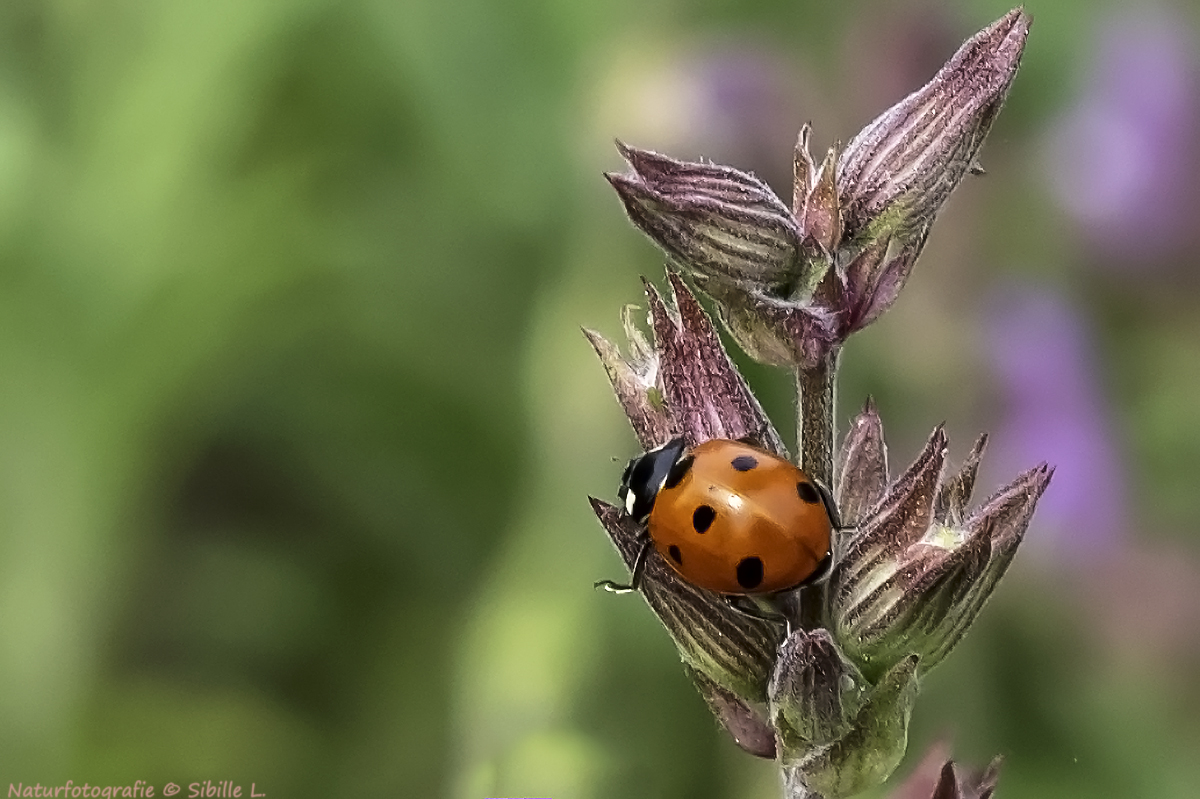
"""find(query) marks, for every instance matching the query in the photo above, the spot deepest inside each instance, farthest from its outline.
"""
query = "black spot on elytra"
(744, 463)
(808, 492)
(702, 518)
(750, 572)
(673, 551)
(678, 471)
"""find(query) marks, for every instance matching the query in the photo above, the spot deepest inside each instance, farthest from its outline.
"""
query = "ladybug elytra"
(729, 517)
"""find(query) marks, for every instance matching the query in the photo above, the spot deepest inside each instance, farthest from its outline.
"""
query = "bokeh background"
(297, 425)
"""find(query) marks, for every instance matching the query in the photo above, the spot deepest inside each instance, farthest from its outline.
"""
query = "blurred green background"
(297, 426)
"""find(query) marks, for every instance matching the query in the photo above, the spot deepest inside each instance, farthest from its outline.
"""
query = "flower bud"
(869, 753)
(917, 573)
(635, 381)
(897, 172)
(745, 721)
(774, 331)
(980, 785)
(815, 197)
(864, 474)
(815, 693)
(711, 220)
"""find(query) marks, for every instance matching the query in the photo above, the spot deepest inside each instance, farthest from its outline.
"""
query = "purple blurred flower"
(1044, 361)
(749, 107)
(1123, 161)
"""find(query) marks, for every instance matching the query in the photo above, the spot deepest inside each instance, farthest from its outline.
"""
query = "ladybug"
(730, 517)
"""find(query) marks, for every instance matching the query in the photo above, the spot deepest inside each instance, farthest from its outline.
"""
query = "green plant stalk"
(816, 397)
(816, 406)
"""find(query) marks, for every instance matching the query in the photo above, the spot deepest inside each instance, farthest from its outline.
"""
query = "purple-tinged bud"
(895, 522)
(791, 286)
(1002, 520)
(743, 720)
(869, 753)
(919, 568)
(897, 172)
(951, 506)
(774, 331)
(635, 381)
(874, 278)
(952, 785)
(685, 384)
(815, 693)
(864, 474)
(711, 220)
(706, 395)
(815, 198)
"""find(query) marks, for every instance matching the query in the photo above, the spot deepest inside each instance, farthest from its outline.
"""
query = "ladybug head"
(645, 475)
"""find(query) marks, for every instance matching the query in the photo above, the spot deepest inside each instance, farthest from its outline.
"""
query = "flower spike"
(829, 692)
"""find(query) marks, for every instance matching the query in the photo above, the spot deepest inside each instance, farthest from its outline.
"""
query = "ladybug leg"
(835, 521)
(639, 569)
(748, 607)
(824, 568)
(835, 518)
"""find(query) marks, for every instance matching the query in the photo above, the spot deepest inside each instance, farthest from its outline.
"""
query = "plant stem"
(816, 395)
(794, 787)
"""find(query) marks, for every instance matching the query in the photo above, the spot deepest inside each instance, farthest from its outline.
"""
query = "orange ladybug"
(729, 517)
